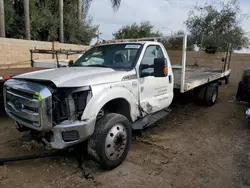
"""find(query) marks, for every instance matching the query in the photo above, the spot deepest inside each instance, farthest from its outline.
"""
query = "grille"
(23, 107)
(28, 103)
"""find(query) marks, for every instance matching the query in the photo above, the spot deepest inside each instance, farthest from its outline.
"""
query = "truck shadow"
(2, 111)
(78, 155)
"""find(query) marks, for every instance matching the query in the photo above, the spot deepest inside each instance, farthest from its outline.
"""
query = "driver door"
(156, 93)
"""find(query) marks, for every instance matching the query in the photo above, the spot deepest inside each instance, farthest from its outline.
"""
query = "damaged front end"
(55, 113)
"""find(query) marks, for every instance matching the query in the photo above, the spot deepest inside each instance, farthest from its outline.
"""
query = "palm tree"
(2, 19)
(79, 11)
(61, 31)
(26, 19)
(115, 4)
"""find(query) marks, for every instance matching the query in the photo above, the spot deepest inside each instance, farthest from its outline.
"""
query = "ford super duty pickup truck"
(109, 91)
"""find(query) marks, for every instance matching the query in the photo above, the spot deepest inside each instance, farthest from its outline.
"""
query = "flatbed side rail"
(183, 66)
(225, 71)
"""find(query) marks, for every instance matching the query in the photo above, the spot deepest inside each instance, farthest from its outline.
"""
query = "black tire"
(97, 142)
(239, 94)
(211, 94)
(227, 80)
(200, 95)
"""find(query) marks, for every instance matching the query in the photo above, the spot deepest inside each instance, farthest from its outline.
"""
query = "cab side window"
(152, 52)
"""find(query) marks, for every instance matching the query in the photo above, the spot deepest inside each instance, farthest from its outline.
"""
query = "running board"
(150, 119)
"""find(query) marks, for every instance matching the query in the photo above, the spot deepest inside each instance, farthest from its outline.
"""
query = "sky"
(165, 15)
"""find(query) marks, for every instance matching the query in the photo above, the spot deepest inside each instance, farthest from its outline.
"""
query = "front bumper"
(84, 130)
(31, 105)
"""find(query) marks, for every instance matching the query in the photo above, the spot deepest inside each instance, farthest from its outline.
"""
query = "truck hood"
(76, 76)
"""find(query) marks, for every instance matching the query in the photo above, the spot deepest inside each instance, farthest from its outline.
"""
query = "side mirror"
(160, 67)
(71, 62)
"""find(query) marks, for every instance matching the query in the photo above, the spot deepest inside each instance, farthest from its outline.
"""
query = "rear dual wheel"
(207, 94)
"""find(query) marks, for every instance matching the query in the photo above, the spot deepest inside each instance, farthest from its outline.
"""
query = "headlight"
(69, 103)
(81, 99)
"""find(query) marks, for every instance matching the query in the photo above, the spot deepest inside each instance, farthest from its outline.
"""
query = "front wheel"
(111, 140)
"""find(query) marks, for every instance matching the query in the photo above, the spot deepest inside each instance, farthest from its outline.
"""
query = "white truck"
(109, 91)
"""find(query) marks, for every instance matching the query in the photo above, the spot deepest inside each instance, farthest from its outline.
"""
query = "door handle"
(170, 79)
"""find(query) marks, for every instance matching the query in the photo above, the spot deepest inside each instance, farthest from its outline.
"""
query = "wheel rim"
(214, 96)
(115, 142)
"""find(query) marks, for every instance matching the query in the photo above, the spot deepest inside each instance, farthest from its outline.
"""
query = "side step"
(150, 119)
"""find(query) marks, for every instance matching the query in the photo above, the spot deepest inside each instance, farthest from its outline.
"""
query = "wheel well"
(119, 106)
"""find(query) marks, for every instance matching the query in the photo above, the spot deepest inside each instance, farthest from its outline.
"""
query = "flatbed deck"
(197, 76)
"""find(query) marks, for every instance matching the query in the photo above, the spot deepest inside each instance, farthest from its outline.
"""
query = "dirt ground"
(194, 146)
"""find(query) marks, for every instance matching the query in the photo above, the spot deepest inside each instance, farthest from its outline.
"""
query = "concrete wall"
(16, 52)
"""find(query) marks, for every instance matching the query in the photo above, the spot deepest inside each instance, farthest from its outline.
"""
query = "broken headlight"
(69, 103)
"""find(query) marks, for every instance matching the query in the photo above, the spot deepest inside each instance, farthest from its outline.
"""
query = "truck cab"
(109, 91)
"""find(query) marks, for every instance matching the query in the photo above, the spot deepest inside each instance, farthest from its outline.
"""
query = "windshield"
(117, 56)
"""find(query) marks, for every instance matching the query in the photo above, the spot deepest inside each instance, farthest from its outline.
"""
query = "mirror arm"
(143, 66)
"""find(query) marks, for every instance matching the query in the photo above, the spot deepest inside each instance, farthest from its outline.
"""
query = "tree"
(176, 43)
(26, 19)
(79, 11)
(114, 3)
(44, 21)
(216, 26)
(61, 20)
(2, 19)
(144, 29)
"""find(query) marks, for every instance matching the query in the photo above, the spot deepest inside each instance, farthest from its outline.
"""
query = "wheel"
(200, 95)
(239, 94)
(227, 80)
(211, 94)
(111, 140)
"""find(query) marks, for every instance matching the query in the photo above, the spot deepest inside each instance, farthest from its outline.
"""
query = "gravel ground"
(194, 146)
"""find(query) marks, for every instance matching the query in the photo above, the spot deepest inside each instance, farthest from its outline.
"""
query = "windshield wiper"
(96, 65)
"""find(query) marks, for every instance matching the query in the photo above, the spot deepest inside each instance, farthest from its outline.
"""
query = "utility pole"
(2, 19)
(169, 29)
(98, 35)
(61, 21)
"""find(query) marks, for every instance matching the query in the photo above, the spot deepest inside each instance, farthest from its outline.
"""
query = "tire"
(239, 94)
(211, 94)
(227, 80)
(111, 140)
(200, 95)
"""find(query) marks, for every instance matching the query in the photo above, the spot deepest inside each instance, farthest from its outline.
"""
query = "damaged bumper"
(69, 133)
(57, 116)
